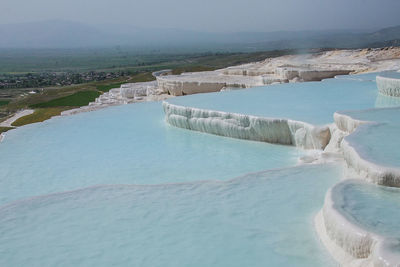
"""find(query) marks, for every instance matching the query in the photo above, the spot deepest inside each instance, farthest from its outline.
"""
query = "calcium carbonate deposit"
(130, 185)
(389, 84)
(367, 139)
(284, 69)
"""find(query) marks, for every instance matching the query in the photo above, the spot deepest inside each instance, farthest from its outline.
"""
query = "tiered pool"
(128, 144)
(311, 102)
(372, 215)
(374, 208)
(389, 83)
(377, 141)
(121, 187)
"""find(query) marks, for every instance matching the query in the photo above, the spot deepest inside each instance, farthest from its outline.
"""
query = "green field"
(77, 99)
(39, 115)
(140, 77)
(4, 102)
(136, 68)
(115, 59)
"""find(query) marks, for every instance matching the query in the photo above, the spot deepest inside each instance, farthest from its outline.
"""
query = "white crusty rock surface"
(388, 86)
(291, 68)
(350, 244)
(372, 172)
(127, 93)
(205, 82)
(271, 130)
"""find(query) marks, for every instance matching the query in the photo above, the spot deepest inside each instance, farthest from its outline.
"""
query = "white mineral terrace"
(293, 68)
(209, 81)
(372, 172)
(127, 93)
(271, 130)
(389, 85)
(348, 242)
(284, 69)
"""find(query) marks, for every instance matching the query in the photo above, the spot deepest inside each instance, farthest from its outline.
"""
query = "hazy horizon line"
(329, 29)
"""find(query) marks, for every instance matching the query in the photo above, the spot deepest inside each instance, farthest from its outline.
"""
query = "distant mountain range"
(66, 34)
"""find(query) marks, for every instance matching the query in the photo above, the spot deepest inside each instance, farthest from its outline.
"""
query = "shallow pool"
(128, 144)
(371, 207)
(121, 187)
(393, 74)
(312, 102)
(378, 142)
(263, 219)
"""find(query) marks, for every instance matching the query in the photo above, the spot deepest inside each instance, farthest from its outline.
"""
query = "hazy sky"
(211, 15)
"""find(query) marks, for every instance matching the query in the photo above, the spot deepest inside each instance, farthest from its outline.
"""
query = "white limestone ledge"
(283, 69)
(374, 173)
(271, 130)
(205, 82)
(350, 244)
(307, 75)
(388, 86)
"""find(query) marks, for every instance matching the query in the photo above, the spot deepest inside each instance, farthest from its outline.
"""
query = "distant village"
(37, 80)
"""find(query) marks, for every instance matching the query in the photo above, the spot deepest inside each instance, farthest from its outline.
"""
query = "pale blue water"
(373, 208)
(371, 76)
(128, 144)
(138, 199)
(264, 219)
(312, 102)
(395, 75)
(378, 143)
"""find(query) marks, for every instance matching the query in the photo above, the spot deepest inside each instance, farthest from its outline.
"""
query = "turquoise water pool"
(371, 207)
(120, 187)
(371, 76)
(128, 144)
(312, 102)
(395, 75)
(263, 219)
(378, 143)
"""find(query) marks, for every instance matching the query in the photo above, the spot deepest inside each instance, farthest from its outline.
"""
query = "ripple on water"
(263, 219)
(128, 144)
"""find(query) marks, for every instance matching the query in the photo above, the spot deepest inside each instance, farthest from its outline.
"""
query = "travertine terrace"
(285, 69)
(292, 68)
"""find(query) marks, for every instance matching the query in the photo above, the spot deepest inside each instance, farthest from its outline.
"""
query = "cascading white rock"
(388, 86)
(271, 130)
(355, 241)
(372, 172)
(135, 90)
(350, 244)
(205, 82)
(306, 74)
(346, 123)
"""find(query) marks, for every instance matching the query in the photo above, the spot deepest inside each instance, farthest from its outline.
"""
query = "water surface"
(312, 102)
(373, 208)
(128, 144)
(263, 219)
(378, 142)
